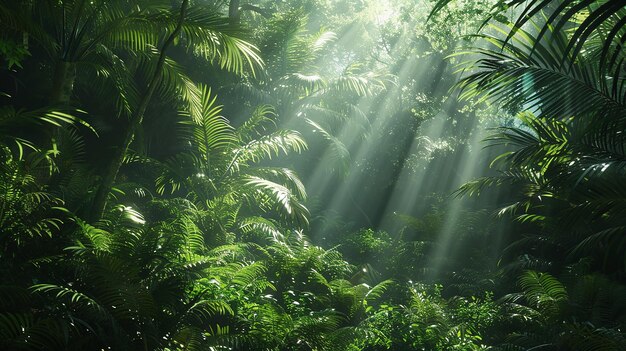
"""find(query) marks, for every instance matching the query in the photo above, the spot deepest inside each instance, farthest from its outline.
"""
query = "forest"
(313, 175)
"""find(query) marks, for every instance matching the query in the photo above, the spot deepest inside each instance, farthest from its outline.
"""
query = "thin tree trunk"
(435, 81)
(111, 172)
(233, 10)
(63, 82)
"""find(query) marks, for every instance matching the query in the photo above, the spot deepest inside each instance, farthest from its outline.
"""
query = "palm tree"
(298, 81)
(221, 170)
(564, 158)
(81, 34)
(208, 35)
(104, 39)
(593, 17)
(568, 153)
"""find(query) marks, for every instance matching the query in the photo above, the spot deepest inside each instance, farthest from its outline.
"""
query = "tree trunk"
(435, 79)
(233, 10)
(63, 82)
(111, 172)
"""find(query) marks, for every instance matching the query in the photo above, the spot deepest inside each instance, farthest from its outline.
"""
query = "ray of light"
(410, 186)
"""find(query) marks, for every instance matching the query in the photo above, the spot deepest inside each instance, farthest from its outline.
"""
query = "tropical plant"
(208, 35)
(548, 315)
(297, 80)
(220, 168)
(563, 158)
(111, 42)
(29, 214)
(427, 321)
(132, 285)
(134, 215)
(321, 304)
(596, 21)
(90, 33)
(566, 155)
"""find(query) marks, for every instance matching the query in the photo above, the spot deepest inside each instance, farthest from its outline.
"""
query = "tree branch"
(263, 12)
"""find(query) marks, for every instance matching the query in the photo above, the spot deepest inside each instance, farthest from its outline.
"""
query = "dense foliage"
(308, 175)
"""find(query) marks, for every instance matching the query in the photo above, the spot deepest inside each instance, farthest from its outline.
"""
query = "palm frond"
(215, 37)
(284, 176)
(258, 124)
(211, 131)
(12, 119)
(269, 145)
(73, 297)
(517, 78)
(259, 225)
(543, 291)
(360, 84)
(272, 195)
(592, 17)
(173, 83)
(339, 152)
